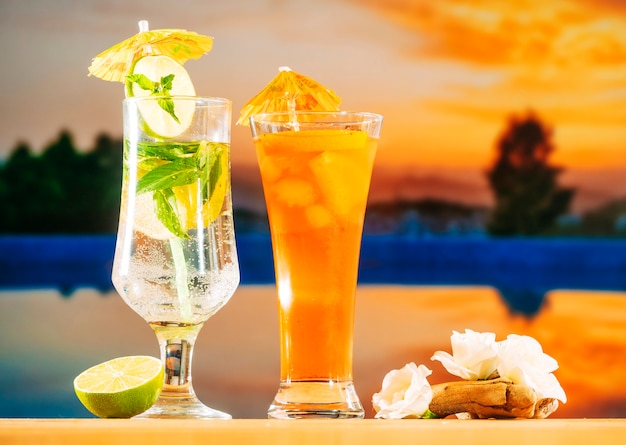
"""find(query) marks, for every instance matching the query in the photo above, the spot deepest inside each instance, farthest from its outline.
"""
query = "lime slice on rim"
(159, 121)
(123, 387)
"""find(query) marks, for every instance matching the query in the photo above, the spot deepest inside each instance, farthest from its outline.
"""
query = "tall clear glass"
(316, 169)
(175, 258)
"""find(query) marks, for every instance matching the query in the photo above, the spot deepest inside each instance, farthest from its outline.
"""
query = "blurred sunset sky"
(446, 74)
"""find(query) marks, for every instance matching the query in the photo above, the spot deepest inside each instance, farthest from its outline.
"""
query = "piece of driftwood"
(483, 399)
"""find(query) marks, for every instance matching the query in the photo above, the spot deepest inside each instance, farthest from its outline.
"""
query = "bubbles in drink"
(158, 289)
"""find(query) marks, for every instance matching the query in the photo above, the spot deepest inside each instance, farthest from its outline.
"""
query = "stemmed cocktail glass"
(175, 259)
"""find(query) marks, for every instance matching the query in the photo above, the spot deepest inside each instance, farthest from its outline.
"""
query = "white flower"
(522, 360)
(405, 393)
(473, 355)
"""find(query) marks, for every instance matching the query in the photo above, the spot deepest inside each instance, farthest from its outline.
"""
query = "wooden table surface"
(259, 431)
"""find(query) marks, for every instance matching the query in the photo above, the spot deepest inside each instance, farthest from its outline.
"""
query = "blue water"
(522, 269)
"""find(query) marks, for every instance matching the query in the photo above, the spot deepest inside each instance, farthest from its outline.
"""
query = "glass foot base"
(179, 408)
(316, 399)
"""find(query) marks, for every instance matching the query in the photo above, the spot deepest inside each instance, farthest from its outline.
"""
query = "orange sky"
(445, 74)
(564, 59)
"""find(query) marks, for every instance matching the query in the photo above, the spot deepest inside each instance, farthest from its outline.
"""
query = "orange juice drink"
(316, 179)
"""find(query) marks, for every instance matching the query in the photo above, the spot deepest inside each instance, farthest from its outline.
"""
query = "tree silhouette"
(528, 200)
(18, 178)
(62, 190)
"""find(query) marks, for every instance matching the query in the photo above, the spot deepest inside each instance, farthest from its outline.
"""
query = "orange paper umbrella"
(290, 91)
(179, 44)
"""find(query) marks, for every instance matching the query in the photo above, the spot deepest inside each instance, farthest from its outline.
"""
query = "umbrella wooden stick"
(291, 105)
(144, 26)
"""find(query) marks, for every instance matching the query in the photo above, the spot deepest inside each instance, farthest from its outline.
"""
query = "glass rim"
(273, 116)
(202, 99)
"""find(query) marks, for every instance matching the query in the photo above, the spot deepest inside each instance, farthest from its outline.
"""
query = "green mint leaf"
(210, 165)
(150, 150)
(166, 83)
(166, 210)
(191, 148)
(161, 88)
(182, 171)
(168, 106)
(166, 152)
(148, 164)
(202, 160)
(214, 174)
(143, 82)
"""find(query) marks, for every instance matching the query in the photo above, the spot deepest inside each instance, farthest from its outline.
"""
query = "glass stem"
(176, 344)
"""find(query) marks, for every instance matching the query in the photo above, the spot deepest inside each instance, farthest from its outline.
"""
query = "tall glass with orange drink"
(316, 169)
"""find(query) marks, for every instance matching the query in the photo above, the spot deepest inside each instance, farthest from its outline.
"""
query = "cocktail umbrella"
(290, 91)
(179, 44)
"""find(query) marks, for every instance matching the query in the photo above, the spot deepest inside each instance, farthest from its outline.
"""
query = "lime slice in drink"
(154, 70)
(190, 213)
(212, 209)
(123, 387)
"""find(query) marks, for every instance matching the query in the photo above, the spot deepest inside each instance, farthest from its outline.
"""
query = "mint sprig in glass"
(171, 165)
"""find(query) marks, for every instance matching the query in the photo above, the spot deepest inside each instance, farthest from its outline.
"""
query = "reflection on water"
(47, 340)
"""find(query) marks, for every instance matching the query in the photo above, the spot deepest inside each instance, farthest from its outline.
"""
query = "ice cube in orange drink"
(333, 170)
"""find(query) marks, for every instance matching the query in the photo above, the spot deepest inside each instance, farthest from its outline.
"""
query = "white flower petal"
(405, 393)
(473, 355)
(453, 367)
(522, 360)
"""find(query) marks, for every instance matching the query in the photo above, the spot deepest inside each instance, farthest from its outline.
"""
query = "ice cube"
(294, 192)
(318, 216)
(343, 179)
(272, 168)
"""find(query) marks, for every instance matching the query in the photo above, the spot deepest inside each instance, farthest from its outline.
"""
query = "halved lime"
(122, 387)
(159, 121)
